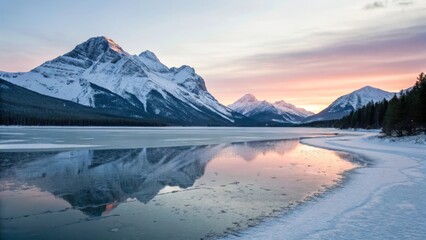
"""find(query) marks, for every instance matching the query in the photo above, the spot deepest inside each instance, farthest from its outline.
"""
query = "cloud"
(396, 45)
(375, 5)
(384, 4)
(390, 60)
(403, 3)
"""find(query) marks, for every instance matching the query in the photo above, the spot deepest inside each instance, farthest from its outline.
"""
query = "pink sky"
(307, 53)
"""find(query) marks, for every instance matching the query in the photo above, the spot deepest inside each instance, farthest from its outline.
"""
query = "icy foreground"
(384, 201)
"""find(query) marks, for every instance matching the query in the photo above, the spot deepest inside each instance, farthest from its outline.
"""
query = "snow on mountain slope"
(349, 102)
(290, 108)
(152, 62)
(245, 104)
(178, 94)
(263, 111)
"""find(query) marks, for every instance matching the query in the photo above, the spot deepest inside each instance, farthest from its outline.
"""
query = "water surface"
(65, 138)
(187, 192)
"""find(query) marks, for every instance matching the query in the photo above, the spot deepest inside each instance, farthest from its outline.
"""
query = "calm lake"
(183, 192)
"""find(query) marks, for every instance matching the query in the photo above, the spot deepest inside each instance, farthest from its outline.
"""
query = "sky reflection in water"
(159, 193)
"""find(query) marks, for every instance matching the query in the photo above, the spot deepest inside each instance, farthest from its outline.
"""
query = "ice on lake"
(181, 192)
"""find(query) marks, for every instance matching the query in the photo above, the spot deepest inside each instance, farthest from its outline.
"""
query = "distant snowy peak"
(288, 107)
(247, 98)
(245, 104)
(263, 111)
(345, 104)
(359, 98)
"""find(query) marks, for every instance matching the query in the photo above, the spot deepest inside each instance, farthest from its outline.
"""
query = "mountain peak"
(288, 107)
(150, 55)
(367, 92)
(282, 102)
(368, 89)
(345, 104)
(103, 42)
(94, 47)
(248, 98)
(264, 111)
(151, 61)
(184, 68)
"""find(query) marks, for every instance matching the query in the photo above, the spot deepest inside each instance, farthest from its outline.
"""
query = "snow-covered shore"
(383, 201)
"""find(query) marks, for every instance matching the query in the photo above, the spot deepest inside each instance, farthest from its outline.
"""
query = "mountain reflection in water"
(96, 182)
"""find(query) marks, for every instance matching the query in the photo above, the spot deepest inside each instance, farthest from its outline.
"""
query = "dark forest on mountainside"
(404, 114)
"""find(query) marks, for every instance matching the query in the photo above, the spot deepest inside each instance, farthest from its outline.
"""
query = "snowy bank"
(416, 139)
(383, 201)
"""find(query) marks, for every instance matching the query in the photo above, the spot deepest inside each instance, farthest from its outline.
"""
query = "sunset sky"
(306, 52)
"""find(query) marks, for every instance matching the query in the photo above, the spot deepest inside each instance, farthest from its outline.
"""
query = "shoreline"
(339, 213)
(295, 206)
(346, 177)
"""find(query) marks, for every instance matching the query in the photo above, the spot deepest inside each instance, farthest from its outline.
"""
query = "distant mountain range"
(100, 83)
(265, 112)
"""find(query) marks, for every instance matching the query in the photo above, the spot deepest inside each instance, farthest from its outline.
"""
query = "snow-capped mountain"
(345, 104)
(265, 112)
(100, 74)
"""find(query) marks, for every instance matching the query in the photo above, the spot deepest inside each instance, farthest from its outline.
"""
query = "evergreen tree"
(419, 101)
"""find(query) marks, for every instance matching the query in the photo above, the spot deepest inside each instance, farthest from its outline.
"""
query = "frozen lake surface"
(42, 138)
(168, 183)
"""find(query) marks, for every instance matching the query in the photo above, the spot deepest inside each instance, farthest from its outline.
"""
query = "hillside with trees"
(32, 108)
(404, 114)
